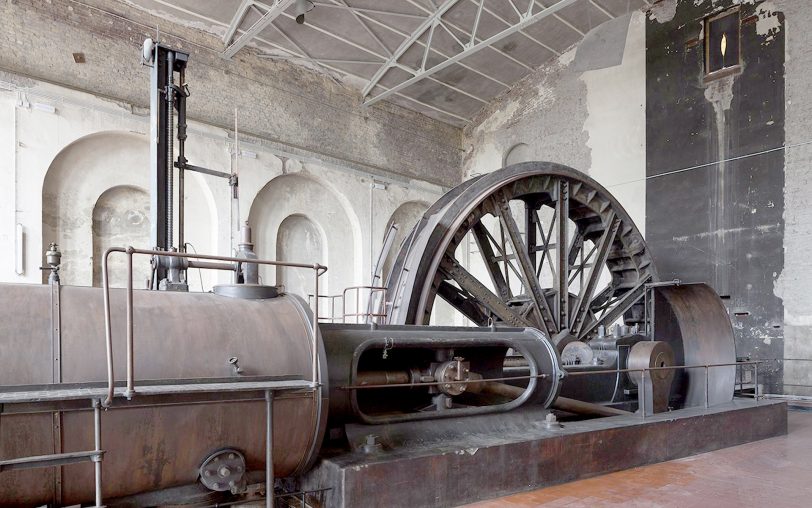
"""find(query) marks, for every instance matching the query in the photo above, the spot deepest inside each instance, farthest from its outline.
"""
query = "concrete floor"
(775, 472)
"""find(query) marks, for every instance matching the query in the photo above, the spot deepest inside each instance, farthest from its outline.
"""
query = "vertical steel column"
(755, 379)
(707, 387)
(181, 105)
(269, 479)
(315, 377)
(169, 104)
(130, 346)
(530, 232)
(157, 152)
(165, 62)
(643, 393)
(97, 458)
(562, 212)
(56, 355)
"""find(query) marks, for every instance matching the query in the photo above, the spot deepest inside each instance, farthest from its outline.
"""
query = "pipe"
(269, 477)
(130, 353)
(107, 327)
(182, 160)
(383, 377)
(561, 403)
(586, 408)
(97, 465)
(211, 266)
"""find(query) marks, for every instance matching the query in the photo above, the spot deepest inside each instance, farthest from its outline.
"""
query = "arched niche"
(304, 196)
(403, 218)
(120, 217)
(520, 152)
(298, 240)
(77, 179)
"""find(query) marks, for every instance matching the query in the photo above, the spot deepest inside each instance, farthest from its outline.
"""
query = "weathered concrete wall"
(794, 280)
(592, 119)
(293, 108)
(715, 167)
(586, 119)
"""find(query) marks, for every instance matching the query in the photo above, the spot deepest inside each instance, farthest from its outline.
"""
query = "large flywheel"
(535, 244)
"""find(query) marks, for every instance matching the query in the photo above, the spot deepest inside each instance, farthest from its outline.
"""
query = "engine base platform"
(456, 461)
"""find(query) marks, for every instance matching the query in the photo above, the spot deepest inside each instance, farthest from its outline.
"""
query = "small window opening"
(722, 44)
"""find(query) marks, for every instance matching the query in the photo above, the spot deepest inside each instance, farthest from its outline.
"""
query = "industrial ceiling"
(443, 58)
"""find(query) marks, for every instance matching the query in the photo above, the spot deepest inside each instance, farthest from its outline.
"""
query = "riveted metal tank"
(176, 336)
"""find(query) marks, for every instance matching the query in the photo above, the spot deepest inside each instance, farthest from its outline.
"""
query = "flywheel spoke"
(541, 310)
(562, 207)
(480, 293)
(585, 296)
(483, 242)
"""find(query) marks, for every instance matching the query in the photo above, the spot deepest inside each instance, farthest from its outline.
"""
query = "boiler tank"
(148, 447)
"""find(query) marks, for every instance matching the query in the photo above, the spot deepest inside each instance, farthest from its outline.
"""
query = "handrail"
(130, 251)
(370, 314)
(332, 298)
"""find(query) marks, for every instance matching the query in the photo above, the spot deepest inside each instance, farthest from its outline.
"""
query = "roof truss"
(525, 18)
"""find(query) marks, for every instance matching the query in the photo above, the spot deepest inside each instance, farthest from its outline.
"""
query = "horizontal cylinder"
(176, 336)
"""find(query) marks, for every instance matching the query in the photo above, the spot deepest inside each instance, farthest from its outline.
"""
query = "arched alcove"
(75, 185)
(520, 152)
(120, 217)
(303, 196)
(298, 240)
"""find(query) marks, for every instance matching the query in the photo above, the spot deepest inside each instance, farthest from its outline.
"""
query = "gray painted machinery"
(203, 366)
(161, 396)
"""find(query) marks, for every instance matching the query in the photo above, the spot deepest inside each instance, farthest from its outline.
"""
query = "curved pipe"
(108, 335)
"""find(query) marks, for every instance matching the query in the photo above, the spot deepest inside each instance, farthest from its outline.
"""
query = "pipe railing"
(371, 314)
(318, 269)
(643, 372)
(331, 301)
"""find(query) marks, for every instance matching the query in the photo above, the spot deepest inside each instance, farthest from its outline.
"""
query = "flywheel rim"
(422, 264)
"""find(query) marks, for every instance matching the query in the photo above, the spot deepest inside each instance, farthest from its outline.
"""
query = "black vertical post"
(157, 152)
(166, 61)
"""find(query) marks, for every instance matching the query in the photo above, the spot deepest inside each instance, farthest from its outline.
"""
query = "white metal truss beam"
(428, 24)
(369, 11)
(236, 21)
(525, 20)
(371, 52)
(447, 25)
(272, 12)
(421, 43)
(322, 63)
(522, 32)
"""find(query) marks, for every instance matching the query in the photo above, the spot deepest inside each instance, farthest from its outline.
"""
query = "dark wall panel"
(715, 169)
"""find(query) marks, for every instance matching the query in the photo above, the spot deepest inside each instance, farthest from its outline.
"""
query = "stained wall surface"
(742, 225)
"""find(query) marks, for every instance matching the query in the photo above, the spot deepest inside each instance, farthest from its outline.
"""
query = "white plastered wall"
(73, 146)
